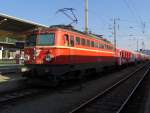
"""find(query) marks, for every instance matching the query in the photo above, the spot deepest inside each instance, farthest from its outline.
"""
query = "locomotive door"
(72, 51)
(67, 49)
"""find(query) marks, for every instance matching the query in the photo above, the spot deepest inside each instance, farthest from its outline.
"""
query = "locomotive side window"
(71, 41)
(107, 47)
(88, 43)
(103, 46)
(77, 40)
(96, 45)
(111, 48)
(66, 39)
(46, 39)
(92, 43)
(100, 45)
(83, 42)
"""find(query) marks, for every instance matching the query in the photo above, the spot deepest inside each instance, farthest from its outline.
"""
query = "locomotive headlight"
(49, 57)
(36, 52)
(26, 57)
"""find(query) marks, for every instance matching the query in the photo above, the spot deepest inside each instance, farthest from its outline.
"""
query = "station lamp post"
(86, 16)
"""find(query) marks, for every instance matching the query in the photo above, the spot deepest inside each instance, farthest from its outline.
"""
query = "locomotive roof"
(71, 28)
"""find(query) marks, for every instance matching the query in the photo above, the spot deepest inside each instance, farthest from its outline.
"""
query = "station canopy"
(15, 27)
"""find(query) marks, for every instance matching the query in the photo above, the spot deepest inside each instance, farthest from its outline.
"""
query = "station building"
(12, 37)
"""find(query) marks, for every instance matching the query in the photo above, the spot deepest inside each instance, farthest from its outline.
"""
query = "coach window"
(66, 39)
(123, 54)
(71, 41)
(77, 40)
(83, 41)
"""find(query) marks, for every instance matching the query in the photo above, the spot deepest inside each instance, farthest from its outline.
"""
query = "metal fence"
(11, 61)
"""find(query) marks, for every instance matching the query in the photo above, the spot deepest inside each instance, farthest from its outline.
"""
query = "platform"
(10, 68)
(10, 78)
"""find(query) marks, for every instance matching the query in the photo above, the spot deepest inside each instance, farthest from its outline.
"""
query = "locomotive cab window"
(77, 40)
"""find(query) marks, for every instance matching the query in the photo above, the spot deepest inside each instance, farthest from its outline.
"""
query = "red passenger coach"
(60, 51)
(124, 56)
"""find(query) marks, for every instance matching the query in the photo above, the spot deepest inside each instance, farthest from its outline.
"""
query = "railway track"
(140, 100)
(8, 97)
(114, 98)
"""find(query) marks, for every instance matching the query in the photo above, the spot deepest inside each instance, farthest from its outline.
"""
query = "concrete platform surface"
(10, 68)
(9, 77)
(11, 81)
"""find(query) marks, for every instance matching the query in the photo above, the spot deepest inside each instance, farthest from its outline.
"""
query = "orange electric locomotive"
(62, 51)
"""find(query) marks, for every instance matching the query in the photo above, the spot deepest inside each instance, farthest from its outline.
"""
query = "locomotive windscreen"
(42, 39)
(46, 39)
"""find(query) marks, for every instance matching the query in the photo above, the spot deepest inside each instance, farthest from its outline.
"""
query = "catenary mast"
(86, 16)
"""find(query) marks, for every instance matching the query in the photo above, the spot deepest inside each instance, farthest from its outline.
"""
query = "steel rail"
(107, 90)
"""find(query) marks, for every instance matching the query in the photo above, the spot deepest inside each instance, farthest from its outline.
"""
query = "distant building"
(10, 47)
(145, 52)
(12, 36)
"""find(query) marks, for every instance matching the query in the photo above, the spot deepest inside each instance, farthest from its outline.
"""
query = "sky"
(133, 18)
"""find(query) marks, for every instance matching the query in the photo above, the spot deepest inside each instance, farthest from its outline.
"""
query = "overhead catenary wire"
(133, 10)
